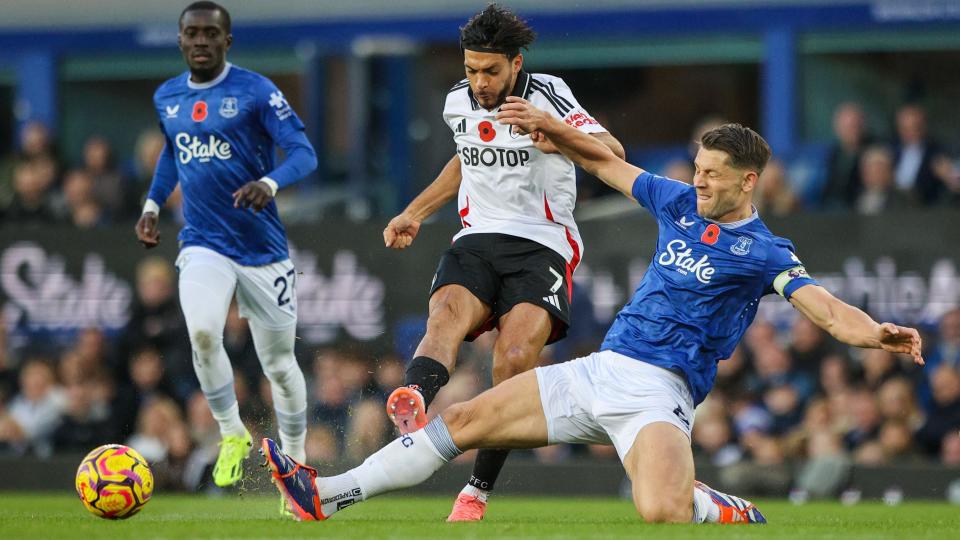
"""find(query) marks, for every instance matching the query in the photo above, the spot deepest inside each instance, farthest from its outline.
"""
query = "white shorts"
(607, 397)
(265, 294)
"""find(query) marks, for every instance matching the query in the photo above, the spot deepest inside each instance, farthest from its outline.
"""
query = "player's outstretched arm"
(852, 326)
(163, 183)
(401, 230)
(587, 151)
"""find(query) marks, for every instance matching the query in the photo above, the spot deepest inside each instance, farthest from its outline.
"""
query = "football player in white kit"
(511, 265)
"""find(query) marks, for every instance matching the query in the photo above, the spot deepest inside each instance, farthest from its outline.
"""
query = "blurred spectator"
(950, 450)
(864, 419)
(879, 366)
(82, 208)
(35, 412)
(8, 376)
(156, 321)
(731, 380)
(32, 185)
(367, 430)
(896, 440)
(140, 169)
(774, 195)
(782, 389)
(156, 421)
(898, 403)
(321, 445)
(920, 160)
(809, 346)
(109, 187)
(945, 414)
(878, 193)
(35, 145)
(713, 435)
(946, 351)
(827, 468)
(87, 421)
(679, 169)
(834, 375)
(843, 159)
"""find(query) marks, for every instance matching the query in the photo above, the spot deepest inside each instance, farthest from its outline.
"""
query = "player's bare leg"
(454, 312)
(524, 331)
(660, 467)
(509, 415)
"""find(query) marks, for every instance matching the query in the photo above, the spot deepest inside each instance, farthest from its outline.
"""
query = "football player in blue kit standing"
(713, 262)
(222, 124)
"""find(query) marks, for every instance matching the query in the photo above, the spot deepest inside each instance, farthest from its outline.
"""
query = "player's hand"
(522, 115)
(400, 232)
(254, 195)
(543, 143)
(148, 232)
(901, 339)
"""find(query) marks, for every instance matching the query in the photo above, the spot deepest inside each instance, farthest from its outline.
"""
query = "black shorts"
(502, 271)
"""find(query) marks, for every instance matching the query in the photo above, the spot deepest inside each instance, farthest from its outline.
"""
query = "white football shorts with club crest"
(607, 397)
(265, 294)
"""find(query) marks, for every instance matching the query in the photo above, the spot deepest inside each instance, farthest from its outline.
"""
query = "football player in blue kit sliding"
(221, 124)
(713, 262)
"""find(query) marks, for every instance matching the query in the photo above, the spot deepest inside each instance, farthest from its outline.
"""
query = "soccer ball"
(114, 481)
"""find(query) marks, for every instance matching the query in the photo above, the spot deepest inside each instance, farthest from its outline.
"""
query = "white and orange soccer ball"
(114, 481)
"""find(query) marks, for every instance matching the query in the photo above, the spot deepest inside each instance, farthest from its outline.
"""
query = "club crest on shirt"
(228, 107)
(742, 247)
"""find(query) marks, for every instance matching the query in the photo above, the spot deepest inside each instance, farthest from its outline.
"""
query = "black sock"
(487, 467)
(427, 375)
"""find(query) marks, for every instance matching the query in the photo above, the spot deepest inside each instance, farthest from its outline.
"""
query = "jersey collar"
(737, 224)
(210, 84)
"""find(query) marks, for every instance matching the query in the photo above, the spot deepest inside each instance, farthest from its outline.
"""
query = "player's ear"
(228, 42)
(517, 63)
(749, 181)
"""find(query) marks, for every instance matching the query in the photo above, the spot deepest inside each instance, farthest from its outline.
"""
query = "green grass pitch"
(50, 516)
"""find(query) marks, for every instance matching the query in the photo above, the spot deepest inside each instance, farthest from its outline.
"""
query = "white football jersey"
(508, 185)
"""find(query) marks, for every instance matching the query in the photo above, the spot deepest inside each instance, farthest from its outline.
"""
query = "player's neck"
(736, 215)
(207, 76)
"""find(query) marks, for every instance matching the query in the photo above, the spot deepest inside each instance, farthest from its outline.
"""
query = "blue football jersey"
(219, 136)
(702, 288)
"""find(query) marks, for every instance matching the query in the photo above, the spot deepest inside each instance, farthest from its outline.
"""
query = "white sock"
(481, 494)
(704, 509)
(275, 351)
(405, 462)
(226, 411)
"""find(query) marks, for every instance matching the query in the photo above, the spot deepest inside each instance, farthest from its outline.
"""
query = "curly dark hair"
(746, 148)
(496, 29)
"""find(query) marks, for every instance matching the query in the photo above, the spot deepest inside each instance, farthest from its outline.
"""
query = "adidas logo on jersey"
(553, 300)
(679, 255)
(194, 148)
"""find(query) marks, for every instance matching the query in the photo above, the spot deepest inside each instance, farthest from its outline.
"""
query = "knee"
(513, 360)
(205, 341)
(665, 510)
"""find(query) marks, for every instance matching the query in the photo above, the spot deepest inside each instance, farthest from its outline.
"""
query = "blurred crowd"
(797, 403)
(37, 187)
(856, 172)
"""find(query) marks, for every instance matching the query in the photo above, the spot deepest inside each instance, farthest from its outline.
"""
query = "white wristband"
(272, 184)
(151, 206)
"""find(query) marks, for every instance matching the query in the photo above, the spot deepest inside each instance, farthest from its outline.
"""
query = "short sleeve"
(785, 272)
(276, 115)
(654, 192)
(556, 91)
